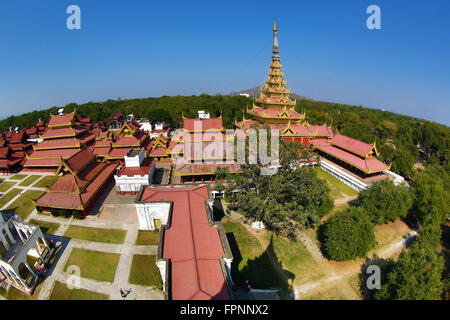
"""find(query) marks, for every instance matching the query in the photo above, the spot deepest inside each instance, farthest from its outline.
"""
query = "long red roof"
(355, 146)
(192, 245)
(364, 164)
(202, 124)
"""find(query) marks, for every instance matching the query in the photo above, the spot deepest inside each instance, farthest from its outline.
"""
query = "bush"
(39, 209)
(349, 234)
(430, 235)
(416, 276)
(54, 213)
(385, 202)
(78, 215)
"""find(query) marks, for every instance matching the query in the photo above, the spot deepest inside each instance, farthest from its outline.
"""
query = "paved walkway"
(126, 251)
(22, 188)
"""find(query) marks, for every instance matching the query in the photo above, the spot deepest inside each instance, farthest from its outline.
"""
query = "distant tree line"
(397, 136)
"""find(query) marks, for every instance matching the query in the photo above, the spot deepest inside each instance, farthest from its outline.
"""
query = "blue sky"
(137, 48)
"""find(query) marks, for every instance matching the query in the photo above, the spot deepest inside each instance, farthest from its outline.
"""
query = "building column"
(39, 254)
(22, 281)
(30, 269)
(45, 243)
(5, 243)
(10, 236)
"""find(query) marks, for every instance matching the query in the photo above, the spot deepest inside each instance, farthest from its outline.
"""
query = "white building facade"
(137, 171)
(24, 253)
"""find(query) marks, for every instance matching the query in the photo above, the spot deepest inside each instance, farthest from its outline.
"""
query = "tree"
(416, 276)
(430, 200)
(385, 202)
(278, 200)
(349, 234)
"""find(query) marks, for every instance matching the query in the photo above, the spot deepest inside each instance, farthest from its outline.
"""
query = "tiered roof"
(65, 137)
(274, 94)
(83, 177)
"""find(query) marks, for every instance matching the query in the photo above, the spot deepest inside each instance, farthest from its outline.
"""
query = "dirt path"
(350, 270)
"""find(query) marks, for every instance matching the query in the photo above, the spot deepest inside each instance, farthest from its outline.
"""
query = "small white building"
(203, 114)
(145, 125)
(159, 130)
(138, 171)
(24, 251)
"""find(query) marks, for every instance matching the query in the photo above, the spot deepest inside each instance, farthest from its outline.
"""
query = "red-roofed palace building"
(64, 138)
(352, 161)
(82, 180)
(194, 256)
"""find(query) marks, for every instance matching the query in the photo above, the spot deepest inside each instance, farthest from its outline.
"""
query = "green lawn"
(18, 177)
(251, 261)
(147, 238)
(342, 187)
(5, 186)
(47, 227)
(295, 259)
(115, 236)
(29, 181)
(95, 265)
(23, 205)
(8, 197)
(145, 272)
(62, 292)
(46, 182)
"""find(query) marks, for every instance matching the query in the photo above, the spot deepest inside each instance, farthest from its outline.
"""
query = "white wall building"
(20, 243)
(152, 215)
(138, 171)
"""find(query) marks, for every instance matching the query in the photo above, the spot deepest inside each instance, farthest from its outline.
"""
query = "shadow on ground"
(261, 272)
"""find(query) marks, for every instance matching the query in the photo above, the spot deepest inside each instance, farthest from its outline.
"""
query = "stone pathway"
(126, 251)
(22, 188)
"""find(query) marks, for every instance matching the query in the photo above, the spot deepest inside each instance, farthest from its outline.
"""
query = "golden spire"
(275, 25)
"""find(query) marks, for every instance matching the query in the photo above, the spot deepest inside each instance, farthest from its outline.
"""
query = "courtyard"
(108, 250)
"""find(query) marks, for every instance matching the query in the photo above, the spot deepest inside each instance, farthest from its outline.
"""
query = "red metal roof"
(275, 112)
(205, 168)
(143, 170)
(17, 137)
(63, 132)
(202, 124)
(119, 152)
(80, 159)
(355, 146)
(56, 154)
(101, 151)
(364, 164)
(43, 162)
(58, 143)
(192, 245)
(57, 120)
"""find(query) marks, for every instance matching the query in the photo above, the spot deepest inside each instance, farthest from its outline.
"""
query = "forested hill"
(400, 139)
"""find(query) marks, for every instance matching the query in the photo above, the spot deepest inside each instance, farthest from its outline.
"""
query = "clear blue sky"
(137, 48)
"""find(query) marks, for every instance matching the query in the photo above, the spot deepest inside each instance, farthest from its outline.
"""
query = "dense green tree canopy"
(385, 202)
(349, 234)
(292, 194)
(416, 276)
(430, 199)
